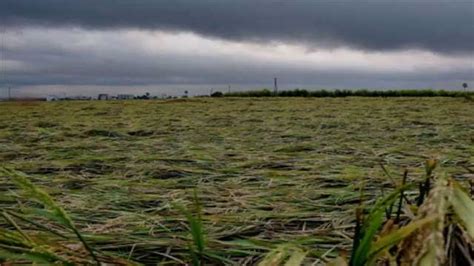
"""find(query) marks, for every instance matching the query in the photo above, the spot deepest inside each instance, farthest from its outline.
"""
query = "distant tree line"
(345, 93)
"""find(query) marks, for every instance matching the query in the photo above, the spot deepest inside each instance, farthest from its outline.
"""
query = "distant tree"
(217, 94)
(464, 85)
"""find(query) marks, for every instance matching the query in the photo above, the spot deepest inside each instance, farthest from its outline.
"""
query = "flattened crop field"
(267, 172)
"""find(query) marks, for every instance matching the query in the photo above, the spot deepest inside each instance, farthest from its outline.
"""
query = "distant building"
(103, 97)
(125, 97)
(78, 98)
(52, 98)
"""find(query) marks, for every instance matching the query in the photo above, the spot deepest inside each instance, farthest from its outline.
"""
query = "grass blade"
(372, 224)
(464, 208)
(296, 258)
(42, 197)
(396, 236)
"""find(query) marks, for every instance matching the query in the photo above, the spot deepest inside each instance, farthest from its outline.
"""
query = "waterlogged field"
(266, 172)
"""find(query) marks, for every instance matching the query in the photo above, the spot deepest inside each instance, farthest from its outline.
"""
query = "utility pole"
(2, 62)
(275, 86)
(9, 93)
(229, 89)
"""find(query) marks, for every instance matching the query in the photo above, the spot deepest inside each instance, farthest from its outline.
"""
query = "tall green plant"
(194, 218)
(372, 224)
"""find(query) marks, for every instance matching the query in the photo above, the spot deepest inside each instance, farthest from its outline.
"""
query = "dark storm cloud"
(441, 26)
(111, 58)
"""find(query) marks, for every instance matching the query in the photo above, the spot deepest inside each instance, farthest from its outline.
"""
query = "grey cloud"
(441, 26)
(103, 66)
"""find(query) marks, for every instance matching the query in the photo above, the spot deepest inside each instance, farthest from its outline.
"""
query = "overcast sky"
(86, 46)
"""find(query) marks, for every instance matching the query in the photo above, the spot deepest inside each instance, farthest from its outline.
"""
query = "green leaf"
(398, 235)
(34, 192)
(196, 228)
(296, 258)
(287, 254)
(37, 257)
(464, 208)
(361, 254)
(274, 257)
(55, 211)
(371, 226)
